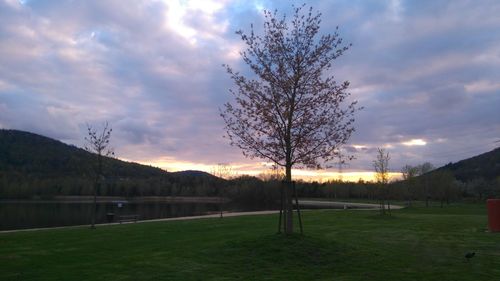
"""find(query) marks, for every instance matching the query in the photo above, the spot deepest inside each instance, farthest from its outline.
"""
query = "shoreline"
(348, 207)
(228, 214)
(115, 199)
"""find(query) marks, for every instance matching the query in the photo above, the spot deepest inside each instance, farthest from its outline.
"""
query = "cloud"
(152, 69)
(413, 142)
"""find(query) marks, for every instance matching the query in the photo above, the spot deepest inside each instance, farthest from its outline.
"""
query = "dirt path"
(344, 205)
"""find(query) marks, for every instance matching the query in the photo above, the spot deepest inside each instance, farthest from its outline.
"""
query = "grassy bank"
(412, 244)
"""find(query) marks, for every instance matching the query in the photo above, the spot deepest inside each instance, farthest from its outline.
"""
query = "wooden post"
(281, 208)
(221, 194)
(298, 208)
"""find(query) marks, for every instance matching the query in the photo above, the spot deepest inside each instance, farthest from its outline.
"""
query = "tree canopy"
(290, 111)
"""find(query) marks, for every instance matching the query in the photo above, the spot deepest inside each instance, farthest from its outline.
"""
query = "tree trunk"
(382, 199)
(282, 186)
(409, 196)
(427, 193)
(221, 196)
(94, 208)
(288, 201)
(96, 186)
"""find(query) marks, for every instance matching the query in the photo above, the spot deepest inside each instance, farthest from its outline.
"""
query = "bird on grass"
(469, 255)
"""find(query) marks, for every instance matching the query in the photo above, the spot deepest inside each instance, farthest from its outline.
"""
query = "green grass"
(412, 244)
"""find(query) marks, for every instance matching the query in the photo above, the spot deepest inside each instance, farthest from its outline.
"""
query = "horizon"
(153, 71)
(320, 175)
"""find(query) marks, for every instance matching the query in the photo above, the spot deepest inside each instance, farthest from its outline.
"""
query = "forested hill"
(485, 166)
(37, 156)
(34, 166)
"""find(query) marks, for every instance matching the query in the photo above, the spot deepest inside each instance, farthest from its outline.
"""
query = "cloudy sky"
(427, 73)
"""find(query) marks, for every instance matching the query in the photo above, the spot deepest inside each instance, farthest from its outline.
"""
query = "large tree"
(291, 110)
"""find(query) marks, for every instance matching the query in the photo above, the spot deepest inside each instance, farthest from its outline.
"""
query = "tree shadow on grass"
(279, 257)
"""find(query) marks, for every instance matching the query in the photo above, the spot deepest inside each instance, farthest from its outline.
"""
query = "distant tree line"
(438, 186)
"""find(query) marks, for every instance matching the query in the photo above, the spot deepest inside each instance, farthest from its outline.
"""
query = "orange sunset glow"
(238, 169)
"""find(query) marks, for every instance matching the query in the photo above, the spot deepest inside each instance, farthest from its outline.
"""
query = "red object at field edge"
(493, 214)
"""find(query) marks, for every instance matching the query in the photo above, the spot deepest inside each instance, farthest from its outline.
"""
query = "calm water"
(35, 214)
(18, 215)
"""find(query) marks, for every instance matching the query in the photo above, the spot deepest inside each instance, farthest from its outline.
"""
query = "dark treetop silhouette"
(292, 110)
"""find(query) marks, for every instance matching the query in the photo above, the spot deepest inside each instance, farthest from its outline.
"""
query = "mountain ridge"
(38, 155)
(35, 166)
(485, 165)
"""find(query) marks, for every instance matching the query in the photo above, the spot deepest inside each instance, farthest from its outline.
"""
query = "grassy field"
(412, 244)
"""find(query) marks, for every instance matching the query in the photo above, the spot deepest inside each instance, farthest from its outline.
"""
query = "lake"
(38, 213)
(33, 214)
